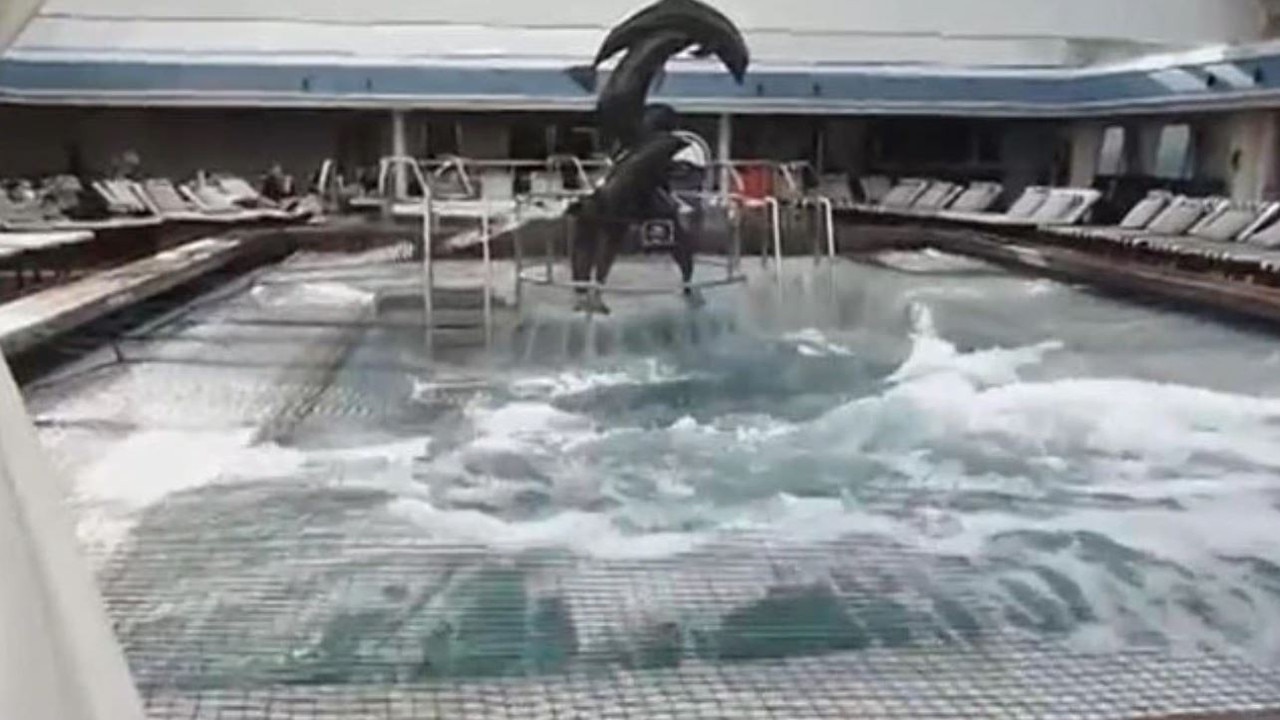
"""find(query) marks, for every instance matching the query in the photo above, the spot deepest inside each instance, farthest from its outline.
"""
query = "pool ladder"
(429, 290)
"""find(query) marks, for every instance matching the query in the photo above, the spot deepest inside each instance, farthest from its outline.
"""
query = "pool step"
(457, 313)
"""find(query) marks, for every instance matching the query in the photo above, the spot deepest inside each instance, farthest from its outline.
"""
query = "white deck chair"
(1065, 206)
(130, 196)
(1134, 223)
(1028, 202)
(171, 204)
(1146, 210)
(1171, 225)
(1018, 214)
(1228, 223)
(238, 190)
(212, 201)
(874, 188)
(1266, 236)
(1181, 215)
(1235, 221)
(937, 196)
(835, 187)
(978, 197)
(905, 193)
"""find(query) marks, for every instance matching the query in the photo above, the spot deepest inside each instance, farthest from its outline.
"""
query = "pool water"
(914, 452)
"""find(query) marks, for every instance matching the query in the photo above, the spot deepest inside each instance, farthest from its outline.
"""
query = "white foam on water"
(310, 294)
(580, 380)
(144, 467)
(812, 342)
(930, 260)
(586, 534)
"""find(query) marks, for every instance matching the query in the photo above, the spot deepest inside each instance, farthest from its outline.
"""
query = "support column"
(1086, 147)
(1241, 150)
(1255, 157)
(724, 145)
(399, 148)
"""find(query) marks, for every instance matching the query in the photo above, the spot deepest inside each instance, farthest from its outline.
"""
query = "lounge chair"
(1158, 215)
(936, 197)
(1036, 206)
(212, 201)
(121, 198)
(978, 197)
(1065, 206)
(905, 193)
(874, 188)
(835, 187)
(170, 204)
(1222, 233)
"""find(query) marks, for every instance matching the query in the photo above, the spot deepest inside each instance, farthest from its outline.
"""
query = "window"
(1111, 155)
(1173, 156)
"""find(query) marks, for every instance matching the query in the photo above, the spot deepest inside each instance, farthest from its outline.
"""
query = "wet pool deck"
(37, 318)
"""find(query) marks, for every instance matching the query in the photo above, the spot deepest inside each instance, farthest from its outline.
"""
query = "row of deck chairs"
(1212, 228)
(972, 203)
(44, 227)
(131, 203)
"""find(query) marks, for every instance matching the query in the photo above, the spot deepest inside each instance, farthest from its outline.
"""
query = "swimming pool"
(913, 484)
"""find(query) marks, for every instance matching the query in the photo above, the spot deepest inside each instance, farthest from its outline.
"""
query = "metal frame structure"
(545, 276)
(731, 198)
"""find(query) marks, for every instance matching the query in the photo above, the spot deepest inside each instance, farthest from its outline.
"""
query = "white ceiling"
(14, 15)
(959, 32)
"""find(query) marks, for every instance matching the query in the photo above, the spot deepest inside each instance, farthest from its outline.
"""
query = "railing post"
(488, 272)
(428, 270)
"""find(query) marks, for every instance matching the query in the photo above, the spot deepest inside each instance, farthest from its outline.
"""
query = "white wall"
(942, 31)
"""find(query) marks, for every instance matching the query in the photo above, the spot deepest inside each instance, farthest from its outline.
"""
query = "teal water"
(917, 454)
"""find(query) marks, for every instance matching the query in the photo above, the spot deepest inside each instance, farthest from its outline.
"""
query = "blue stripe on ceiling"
(492, 87)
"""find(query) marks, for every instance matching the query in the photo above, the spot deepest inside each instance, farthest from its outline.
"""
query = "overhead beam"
(14, 16)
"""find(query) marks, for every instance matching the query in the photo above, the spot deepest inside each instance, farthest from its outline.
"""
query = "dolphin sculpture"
(637, 188)
(620, 107)
(706, 27)
(604, 216)
(640, 171)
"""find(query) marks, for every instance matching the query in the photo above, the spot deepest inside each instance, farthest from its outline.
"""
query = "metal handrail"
(384, 168)
(458, 163)
(583, 177)
(827, 208)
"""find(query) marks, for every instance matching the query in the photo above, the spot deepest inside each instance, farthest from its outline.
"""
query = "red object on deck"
(757, 181)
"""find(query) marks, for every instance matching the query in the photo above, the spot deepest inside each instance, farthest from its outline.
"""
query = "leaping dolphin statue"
(620, 107)
(632, 178)
(706, 27)
(604, 216)
(639, 186)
